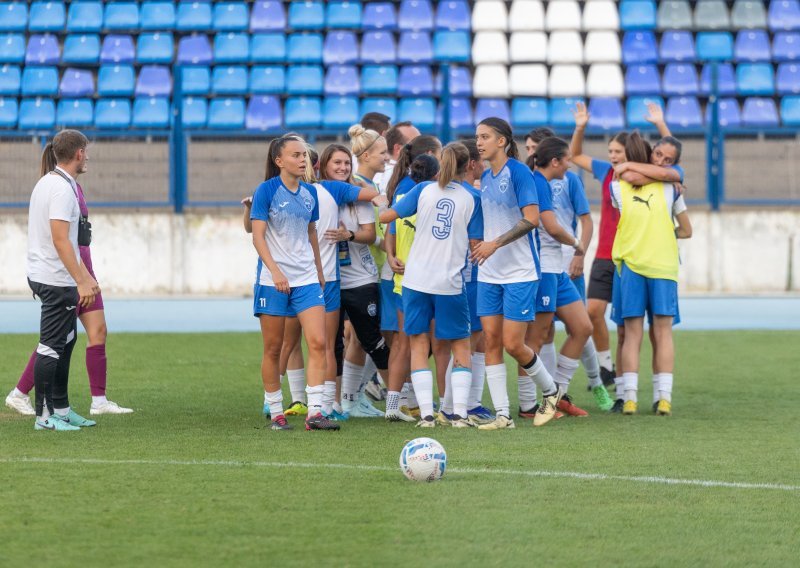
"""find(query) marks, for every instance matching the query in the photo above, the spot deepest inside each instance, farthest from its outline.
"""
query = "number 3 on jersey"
(444, 219)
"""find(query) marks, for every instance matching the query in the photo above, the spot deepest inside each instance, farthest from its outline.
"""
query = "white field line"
(469, 471)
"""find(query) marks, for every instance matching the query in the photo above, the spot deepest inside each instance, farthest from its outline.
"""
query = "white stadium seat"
(528, 46)
(566, 81)
(491, 81)
(563, 15)
(602, 47)
(565, 47)
(528, 80)
(489, 47)
(526, 15)
(489, 15)
(600, 15)
(605, 80)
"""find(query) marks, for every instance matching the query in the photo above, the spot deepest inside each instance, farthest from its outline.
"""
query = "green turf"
(198, 397)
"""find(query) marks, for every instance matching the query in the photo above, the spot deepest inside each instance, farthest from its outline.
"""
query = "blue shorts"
(472, 300)
(332, 293)
(450, 312)
(267, 300)
(388, 306)
(634, 295)
(555, 290)
(580, 286)
(516, 302)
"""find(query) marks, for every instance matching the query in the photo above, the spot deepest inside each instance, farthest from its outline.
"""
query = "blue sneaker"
(52, 424)
(339, 416)
(266, 410)
(480, 415)
(75, 419)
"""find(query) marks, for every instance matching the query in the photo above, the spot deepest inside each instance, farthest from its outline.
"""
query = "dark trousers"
(363, 310)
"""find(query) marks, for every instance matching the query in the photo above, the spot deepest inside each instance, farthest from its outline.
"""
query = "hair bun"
(355, 131)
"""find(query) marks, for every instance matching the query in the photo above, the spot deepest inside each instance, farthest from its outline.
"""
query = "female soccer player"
(94, 322)
(448, 218)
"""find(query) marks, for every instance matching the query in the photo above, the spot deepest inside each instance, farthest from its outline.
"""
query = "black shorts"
(601, 280)
(59, 317)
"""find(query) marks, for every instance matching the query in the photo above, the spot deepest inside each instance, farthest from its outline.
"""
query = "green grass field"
(193, 478)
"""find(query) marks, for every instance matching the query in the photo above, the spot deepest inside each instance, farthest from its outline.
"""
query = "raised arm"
(576, 146)
(655, 116)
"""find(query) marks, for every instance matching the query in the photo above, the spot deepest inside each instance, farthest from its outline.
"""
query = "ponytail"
(503, 130)
(548, 150)
(48, 159)
(274, 150)
(420, 145)
(455, 158)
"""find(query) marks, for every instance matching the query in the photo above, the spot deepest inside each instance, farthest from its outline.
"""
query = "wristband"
(352, 236)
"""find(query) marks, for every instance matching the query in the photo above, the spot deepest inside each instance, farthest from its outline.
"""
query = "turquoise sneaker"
(266, 410)
(75, 419)
(57, 425)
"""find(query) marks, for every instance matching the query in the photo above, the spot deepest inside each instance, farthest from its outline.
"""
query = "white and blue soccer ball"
(423, 459)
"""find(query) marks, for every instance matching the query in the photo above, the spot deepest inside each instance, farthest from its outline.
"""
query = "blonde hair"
(455, 158)
(362, 139)
(310, 176)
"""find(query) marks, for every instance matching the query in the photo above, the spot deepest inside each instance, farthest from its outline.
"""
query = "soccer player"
(397, 136)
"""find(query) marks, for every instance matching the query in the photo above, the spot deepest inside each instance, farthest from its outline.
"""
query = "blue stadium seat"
(232, 48)
(267, 16)
(230, 16)
(343, 15)
(452, 46)
(121, 16)
(758, 111)
(485, 108)
(341, 80)
(13, 16)
(784, 15)
(755, 79)
(76, 83)
(304, 48)
(112, 113)
(42, 50)
(339, 113)
(194, 50)
(561, 112)
(37, 114)
(636, 111)
(787, 81)
(677, 46)
(341, 48)
(642, 80)
(115, 81)
(606, 113)
(637, 15)
(77, 113)
(726, 81)
(381, 105)
(453, 15)
(414, 48)
(194, 112)
(683, 112)
(302, 112)
(229, 80)
(714, 46)
(155, 47)
(379, 79)
(790, 111)
(415, 16)
(39, 81)
(46, 17)
(529, 113)
(639, 47)
(460, 82)
(154, 81)
(196, 80)
(729, 115)
(263, 113)
(422, 112)
(85, 17)
(156, 16)
(84, 49)
(378, 47)
(150, 112)
(753, 46)
(117, 49)
(10, 80)
(379, 16)
(785, 46)
(193, 16)
(306, 15)
(304, 80)
(226, 113)
(679, 79)
(9, 108)
(267, 79)
(461, 115)
(267, 48)
(12, 48)
(415, 81)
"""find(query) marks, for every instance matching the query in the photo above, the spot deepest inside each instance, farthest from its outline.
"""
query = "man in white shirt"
(59, 279)
(396, 137)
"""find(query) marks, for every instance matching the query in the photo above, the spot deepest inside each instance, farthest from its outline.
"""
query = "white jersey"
(362, 269)
(331, 194)
(568, 201)
(381, 179)
(446, 220)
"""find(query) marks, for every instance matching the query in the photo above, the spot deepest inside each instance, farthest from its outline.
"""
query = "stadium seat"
(112, 113)
(383, 106)
(306, 15)
(378, 47)
(526, 15)
(196, 80)
(460, 82)
(379, 16)
(304, 80)
(726, 81)
(46, 17)
(194, 112)
(39, 81)
(461, 116)
(154, 81)
(13, 16)
(121, 16)
(683, 112)
(729, 115)
(263, 113)
(37, 114)
(565, 47)
(77, 113)
(638, 48)
(637, 15)
(42, 50)
(602, 15)
(339, 113)
(117, 49)
(10, 80)
(194, 50)
(528, 80)
(785, 46)
(679, 79)
(711, 15)
(563, 15)
(302, 112)
(561, 112)
(304, 48)
(642, 80)
(422, 112)
(341, 48)
(490, 81)
(156, 16)
(231, 47)
(268, 16)
(790, 111)
(85, 17)
(528, 47)
(755, 79)
(454, 47)
(12, 48)
(155, 48)
(787, 80)
(379, 79)
(714, 46)
(453, 15)
(748, 14)
(758, 111)
(605, 80)
(414, 47)
(226, 113)
(784, 15)
(193, 17)
(484, 108)
(150, 112)
(415, 16)
(229, 80)
(415, 81)
(76, 83)
(602, 47)
(677, 46)
(566, 81)
(230, 16)
(342, 80)
(84, 49)
(490, 15)
(753, 46)
(674, 15)
(343, 15)
(9, 109)
(636, 111)
(115, 81)
(267, 48)
(529, 113)
(267, 79)
(606, 114)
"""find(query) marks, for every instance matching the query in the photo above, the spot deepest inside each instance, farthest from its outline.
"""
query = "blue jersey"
(569, 202)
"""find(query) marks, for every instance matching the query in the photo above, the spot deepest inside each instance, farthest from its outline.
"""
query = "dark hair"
(327, 155)
(620, 138)
(472, 147)
(48, 159)
(376, 121)
(455, 158)
(672, 141)
(637, 149)
(547, 150)
(503, 130)
(274, 150)
(66, 143)
(423, 168)
(420, 145)
(539, 134)
(394, 135)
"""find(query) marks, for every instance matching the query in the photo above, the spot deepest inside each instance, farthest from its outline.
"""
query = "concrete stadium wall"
(152, 253)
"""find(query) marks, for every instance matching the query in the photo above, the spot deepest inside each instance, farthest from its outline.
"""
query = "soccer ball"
(423, 459)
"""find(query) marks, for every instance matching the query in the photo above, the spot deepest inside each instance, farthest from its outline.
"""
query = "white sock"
(527, 392)
(351, 384)
(496, 377)
(61, 411)
(604, 358)
(315, 395)
(541, 377)
(392, 401)
(18, 393)
(656, 385)
(99, 400)
(412, 396)
(447, 399)
(328, 396)
(591, 364)
(631, 382)
(423, 386)
(369, 369)
(461, 382)
(665, 387)
(297, 384)
(338, 408)
(275, 402)
(564, 370)
(404, 394)
(478, 379)
(45, 414)
(619, 388)
(548, 355)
